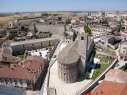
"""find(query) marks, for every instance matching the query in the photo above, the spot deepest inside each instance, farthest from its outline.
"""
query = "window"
(82, 38)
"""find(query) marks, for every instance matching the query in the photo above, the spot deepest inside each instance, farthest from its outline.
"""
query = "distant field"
(5, 19)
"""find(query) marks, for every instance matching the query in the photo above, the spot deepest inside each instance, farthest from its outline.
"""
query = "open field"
(5, 19)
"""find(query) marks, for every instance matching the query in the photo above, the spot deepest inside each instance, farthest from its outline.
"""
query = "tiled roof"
(116, 75)
(32, 41)
(110, 88)
(15, 73)
(26, 70)
(33, 63)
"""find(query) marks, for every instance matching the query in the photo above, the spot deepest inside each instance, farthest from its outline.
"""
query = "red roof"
(87, 93)
(15, 73)
(33, 63)
(110, 88)
(23, 71)
(116, 75)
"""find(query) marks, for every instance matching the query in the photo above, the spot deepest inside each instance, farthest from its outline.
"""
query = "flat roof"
(32, 41)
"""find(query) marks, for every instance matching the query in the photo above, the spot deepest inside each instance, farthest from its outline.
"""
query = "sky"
(61, 5)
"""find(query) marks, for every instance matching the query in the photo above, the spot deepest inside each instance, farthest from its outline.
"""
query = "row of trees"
(49, 14)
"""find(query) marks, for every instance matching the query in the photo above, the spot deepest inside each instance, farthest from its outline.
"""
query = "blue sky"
(59, 5)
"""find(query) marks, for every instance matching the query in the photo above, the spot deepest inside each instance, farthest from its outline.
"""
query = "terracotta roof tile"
(110, 88)
(33, 63)
(23, 71)
(15, 73)
(116, 75)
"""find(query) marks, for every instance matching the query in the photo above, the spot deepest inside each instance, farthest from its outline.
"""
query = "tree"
(44, 14)
(120, 25)
(12, 35)
(87, 29)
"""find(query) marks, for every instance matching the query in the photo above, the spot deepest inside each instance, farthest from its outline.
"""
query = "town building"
(2, 32)
(71, 87)
(72, 60)
(115, 83)
(40, 27)
(3, 36)
(110, 88)
(33, 44)
(24, 74)
(68, 63)
(110, 41)
(122, 51)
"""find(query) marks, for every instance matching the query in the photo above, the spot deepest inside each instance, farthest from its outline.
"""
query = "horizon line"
(112, 10)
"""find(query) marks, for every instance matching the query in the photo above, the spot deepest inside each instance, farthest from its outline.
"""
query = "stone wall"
(68, 72)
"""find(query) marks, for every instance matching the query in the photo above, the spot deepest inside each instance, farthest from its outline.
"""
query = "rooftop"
(110, 88)
(24, 70)
(15, 73)
(32, 41)
(116, 75)
(33, 63)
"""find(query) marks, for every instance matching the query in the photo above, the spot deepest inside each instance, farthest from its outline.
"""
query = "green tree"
(44, 14)
(12, 35)
(87, 29)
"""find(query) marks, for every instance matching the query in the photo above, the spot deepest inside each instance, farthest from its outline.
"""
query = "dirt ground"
(4, 20)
